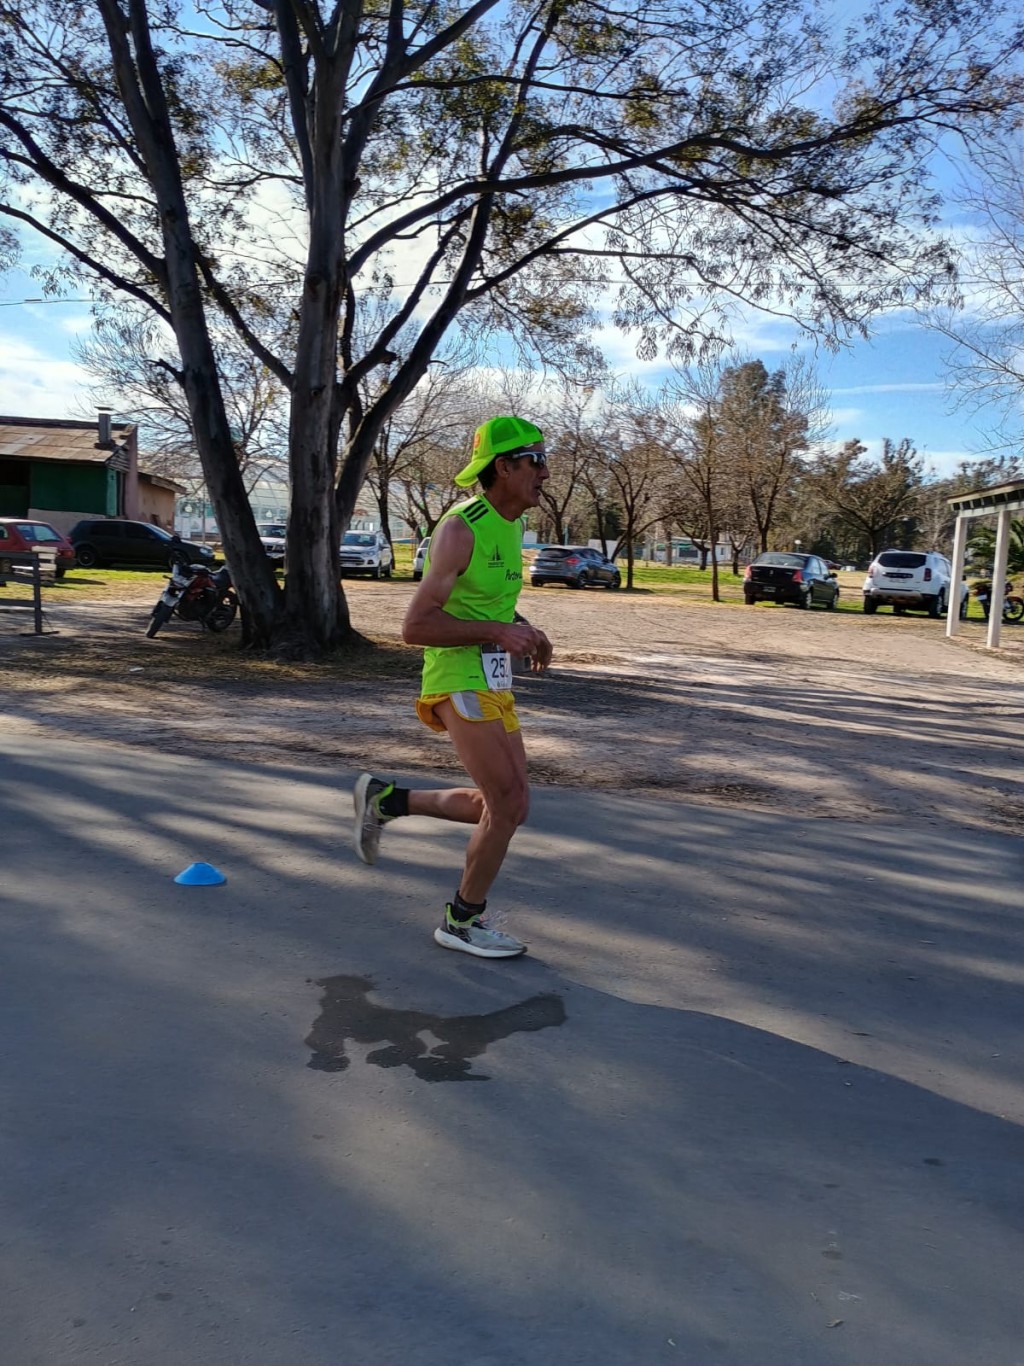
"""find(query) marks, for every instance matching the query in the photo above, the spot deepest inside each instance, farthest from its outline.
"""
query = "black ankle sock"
(466, 910)
(396, 803)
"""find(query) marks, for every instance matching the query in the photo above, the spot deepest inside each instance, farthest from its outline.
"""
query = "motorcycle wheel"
(221, 617)
(161, 615)
(1013, 609)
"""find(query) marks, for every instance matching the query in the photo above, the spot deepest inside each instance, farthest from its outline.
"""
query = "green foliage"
(982, 547)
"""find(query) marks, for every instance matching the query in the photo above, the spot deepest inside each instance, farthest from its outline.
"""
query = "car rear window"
(779, 557)
(559, 552)
(902, 559)
(37, 531)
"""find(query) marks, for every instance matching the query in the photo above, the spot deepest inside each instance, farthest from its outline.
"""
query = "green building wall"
(79, 488)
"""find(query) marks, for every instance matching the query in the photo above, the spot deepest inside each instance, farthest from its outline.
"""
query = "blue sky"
(891, 386)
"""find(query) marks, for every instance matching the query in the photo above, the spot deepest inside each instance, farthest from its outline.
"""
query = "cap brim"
(469, 475)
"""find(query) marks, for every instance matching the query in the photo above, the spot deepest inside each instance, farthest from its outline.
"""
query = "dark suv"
(137, 545)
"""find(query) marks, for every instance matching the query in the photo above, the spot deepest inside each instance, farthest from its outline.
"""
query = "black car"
(782, 576)
(574, 565)
(136, 545)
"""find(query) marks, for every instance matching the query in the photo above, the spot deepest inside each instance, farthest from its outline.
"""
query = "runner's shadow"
(347, 1013)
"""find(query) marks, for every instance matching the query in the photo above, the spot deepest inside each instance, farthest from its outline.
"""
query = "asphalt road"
(753, 1099)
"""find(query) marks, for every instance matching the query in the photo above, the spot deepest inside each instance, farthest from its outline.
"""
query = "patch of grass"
(92, 585)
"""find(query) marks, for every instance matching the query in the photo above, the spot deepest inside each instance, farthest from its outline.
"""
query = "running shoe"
(370, 820)
(473, 936)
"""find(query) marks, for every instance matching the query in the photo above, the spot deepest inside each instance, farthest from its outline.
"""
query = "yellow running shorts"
(471, 706)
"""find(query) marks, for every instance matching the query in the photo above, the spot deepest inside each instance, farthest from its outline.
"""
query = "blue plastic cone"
(201, 875)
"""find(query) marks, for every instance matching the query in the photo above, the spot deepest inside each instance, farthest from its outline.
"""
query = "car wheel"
(937, 605)
(870, 606)
(749, 599)
(387, 572)
(898, 609)
(832, 602)
(537, 583)
(378, 573)
(616, 582)
(416, 576)
(804, 601)
(87, 557)
(580, 581)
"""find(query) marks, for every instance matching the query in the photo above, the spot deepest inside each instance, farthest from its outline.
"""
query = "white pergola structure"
(1001, 502)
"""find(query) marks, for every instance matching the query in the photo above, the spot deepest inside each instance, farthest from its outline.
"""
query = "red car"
(20, 536)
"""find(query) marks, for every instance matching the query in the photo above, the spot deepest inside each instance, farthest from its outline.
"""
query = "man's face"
(527, 471)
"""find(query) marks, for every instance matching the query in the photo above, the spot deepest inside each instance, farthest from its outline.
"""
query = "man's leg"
(496, 761)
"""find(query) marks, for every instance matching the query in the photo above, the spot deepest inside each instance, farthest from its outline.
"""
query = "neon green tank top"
(487, 590)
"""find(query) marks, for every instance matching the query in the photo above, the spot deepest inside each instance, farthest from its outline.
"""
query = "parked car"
(272, 538)
(20, 536)
(911, 579)
(419, 560)
(137, 545)
(577, 566)
(789, 576)
(366, 552)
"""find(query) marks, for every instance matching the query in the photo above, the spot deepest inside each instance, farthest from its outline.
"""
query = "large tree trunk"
(142, 90)
(317, 610)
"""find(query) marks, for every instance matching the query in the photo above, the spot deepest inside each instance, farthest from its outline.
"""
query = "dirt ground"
(840, 715)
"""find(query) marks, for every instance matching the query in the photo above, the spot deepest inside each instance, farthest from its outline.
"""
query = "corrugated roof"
(56, 439)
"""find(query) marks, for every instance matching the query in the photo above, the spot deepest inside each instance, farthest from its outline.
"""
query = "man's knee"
(509, 806)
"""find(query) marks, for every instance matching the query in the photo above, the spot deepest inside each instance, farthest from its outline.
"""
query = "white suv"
(366, 552)
(911, 578)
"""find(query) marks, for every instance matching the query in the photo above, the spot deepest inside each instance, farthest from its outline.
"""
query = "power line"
(16, 303)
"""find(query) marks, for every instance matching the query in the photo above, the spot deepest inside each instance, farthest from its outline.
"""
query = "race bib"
(497, 668)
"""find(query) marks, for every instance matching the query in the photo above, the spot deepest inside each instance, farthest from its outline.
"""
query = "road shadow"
(347, 1015)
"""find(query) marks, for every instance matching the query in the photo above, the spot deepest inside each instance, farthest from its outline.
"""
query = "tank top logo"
(495, 562)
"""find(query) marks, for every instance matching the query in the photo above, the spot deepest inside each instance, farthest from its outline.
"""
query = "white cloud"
(847, 417)
(923, 387)
(33, 384)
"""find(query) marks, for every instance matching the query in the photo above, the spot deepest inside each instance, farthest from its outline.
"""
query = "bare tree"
(636, 461)
(986, 360)
(700, 456)
(573, 449)
(125, 355)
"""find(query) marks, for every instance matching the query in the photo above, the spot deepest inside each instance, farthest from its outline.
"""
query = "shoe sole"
(451, 941)
(359, 801)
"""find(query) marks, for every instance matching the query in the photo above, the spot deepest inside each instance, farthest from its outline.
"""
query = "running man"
(463, 613)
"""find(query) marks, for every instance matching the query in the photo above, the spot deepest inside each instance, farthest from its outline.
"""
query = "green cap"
(497, 436)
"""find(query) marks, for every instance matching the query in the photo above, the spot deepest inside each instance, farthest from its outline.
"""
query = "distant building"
(58, 470)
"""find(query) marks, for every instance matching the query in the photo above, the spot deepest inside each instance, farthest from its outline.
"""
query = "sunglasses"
(537, 457)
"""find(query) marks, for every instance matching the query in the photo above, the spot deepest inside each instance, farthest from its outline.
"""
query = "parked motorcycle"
(1013, 605)
(196, 593)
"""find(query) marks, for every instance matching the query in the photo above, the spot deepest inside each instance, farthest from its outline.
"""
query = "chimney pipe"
(103, 424)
